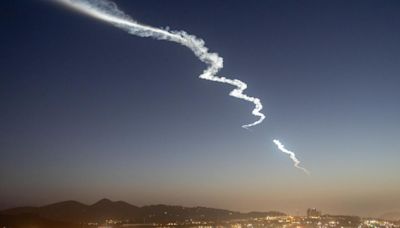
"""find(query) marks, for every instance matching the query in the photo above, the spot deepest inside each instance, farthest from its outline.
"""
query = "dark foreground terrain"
(74, 214)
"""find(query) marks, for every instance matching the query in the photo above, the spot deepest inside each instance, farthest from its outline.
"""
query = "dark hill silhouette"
(29, 220)
(75, 212)
(62, 211)
(105, 208)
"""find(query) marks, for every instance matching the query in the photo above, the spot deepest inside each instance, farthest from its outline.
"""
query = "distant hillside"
(75, 212)
(29, 220)
(393, 216)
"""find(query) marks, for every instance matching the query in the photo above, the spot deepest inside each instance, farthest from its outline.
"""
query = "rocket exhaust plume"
(292, 156)
(107, 11)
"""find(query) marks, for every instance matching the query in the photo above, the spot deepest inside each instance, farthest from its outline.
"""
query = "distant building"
(313, 212)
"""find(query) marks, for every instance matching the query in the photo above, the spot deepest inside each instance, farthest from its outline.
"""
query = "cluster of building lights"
(314, 218)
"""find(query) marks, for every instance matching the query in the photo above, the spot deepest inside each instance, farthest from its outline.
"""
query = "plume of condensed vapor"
(107, 11)
(292, 156)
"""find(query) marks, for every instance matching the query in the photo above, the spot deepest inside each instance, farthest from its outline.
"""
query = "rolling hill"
(79, 213)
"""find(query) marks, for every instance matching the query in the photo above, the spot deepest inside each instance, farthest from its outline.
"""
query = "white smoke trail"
(107, 11)
(292, 156)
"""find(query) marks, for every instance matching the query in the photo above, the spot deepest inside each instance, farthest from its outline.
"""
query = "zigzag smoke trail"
(292, 156)
(107, 11)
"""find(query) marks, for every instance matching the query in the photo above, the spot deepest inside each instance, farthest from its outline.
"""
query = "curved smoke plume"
(292, 156)
(107, 11)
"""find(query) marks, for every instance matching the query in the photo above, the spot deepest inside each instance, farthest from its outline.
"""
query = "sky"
(89, 111)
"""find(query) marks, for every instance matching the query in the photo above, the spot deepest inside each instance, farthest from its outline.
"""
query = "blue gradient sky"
(88, 111)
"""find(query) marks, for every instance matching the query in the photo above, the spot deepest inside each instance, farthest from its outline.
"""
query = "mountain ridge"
(77, 212)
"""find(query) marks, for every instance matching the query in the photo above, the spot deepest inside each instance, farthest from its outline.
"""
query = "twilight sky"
(89, 111)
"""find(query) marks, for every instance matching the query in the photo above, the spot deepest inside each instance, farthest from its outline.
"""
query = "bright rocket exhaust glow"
(292, 156)
(107, 11)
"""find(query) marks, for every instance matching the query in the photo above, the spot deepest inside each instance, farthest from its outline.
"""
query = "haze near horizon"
(89, 111)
